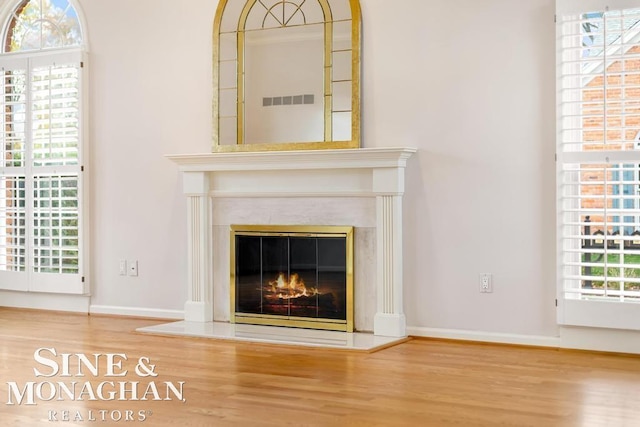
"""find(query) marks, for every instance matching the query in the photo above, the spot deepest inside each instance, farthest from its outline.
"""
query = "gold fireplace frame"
(295, 231)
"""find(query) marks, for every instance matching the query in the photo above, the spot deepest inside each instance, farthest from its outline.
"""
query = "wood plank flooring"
(418, 383)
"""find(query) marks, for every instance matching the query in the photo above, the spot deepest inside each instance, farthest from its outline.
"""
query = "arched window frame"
(45, 265)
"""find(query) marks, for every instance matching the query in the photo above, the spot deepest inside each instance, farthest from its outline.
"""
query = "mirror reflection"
(287, 74)
(284, 82)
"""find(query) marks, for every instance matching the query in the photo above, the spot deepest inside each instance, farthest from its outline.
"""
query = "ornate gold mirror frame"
(231, 66)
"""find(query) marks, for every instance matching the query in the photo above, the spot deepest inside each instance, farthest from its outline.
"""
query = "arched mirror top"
(286, 75)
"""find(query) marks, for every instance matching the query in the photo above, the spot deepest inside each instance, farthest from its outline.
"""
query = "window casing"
(42, 186)
(598, 163)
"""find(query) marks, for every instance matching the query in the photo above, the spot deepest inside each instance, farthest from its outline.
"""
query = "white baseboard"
(137, 312)
(573, 338)
(594, 339)
(44, 301)
(490, 337)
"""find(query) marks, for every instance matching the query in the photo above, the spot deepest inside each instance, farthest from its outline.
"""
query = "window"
(598, 163)
(41, 141)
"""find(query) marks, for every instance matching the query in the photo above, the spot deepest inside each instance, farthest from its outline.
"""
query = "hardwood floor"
(418, 383)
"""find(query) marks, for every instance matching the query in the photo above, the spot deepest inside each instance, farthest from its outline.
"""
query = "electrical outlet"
(133, 268)
(122, 265)
(486, 283)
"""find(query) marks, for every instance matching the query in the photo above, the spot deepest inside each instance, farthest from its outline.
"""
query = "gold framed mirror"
(286, 75)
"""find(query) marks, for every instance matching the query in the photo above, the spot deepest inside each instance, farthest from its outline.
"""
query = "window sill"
(599, 314)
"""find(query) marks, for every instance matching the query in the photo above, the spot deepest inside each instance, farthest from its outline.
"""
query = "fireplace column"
(199, 305)
(389, 319)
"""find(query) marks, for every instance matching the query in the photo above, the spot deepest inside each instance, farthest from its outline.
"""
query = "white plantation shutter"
(41, 247)
(13, 186)
(599, 162)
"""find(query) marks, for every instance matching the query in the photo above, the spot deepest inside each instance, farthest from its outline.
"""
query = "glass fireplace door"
(302, 279)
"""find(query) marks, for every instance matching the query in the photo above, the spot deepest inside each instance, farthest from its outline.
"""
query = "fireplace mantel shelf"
(366, 158)
(366, 172)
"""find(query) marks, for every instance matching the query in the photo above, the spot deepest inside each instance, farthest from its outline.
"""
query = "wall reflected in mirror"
(282, 64)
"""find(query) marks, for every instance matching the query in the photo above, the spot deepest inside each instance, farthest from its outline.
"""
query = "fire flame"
(294, 288)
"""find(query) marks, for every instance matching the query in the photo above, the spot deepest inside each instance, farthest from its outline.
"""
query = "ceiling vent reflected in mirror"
(289, 100)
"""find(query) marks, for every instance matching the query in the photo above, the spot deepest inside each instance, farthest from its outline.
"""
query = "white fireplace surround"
(355, 173)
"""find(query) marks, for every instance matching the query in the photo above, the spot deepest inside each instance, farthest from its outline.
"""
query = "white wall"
(472, 85)
(469, 83)
(151, 96)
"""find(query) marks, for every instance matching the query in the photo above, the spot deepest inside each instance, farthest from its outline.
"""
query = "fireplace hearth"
(297, 276)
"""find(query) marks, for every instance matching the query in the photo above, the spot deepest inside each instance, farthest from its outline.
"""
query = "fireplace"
(313, 186)
(297, 276)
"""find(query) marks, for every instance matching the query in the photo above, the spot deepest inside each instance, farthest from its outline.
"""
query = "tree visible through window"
(41, 143)
(42, 24)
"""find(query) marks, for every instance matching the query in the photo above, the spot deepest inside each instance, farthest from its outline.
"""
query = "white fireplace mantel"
(366, 172)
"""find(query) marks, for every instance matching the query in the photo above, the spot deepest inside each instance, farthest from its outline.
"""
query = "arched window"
(43, 24)
(42, 69)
